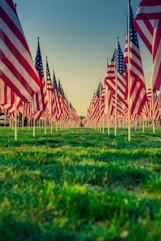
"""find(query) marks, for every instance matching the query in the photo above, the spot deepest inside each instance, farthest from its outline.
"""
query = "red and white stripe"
(17, 69)
(26, 110)
(40, 98)
(55, 101)
(7, 97)
(116, 81)
(137, 87)
(49, 87)
(60, 101)
(148, 25)
(153, 104)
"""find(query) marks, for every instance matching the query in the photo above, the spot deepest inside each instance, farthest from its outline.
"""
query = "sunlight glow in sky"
(78, 36)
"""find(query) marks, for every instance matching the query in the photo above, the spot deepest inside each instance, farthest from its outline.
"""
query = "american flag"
(137, 89)
(7, 97)
(48, 87)
(40, 98)
(26, 110)
(91, 107)
(159, 103)
(98, 103)
(65, 105)
(153, 104)
(73, 116)
(108, 100)
(17, 69)
(103, 97)
(60, 100)
(96, 107)
(48, 77)
(55, 101)
(148, 25)
(6, 94)
(117, 78)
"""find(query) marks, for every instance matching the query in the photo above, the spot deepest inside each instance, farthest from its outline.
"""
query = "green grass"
(80, 184)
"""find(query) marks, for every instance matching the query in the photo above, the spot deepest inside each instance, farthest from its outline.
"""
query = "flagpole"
(108, 113)
(153, 123)
(51, 125)
(116, 86)
(33, 133)
(129, 106)
(33, 127)
(106, 99)
(15, 97)
(107, 103)
(22, 116)
(103, 123)
(45, 123)
(143, 123)
(100, 105)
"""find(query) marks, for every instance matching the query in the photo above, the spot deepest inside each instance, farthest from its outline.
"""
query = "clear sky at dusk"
(77, 36)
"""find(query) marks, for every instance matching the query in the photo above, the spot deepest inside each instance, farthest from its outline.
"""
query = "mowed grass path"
(80, 185)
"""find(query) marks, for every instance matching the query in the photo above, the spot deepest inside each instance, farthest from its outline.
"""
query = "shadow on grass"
(11, 229)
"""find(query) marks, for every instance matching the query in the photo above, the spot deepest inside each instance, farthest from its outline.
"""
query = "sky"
(78, 36)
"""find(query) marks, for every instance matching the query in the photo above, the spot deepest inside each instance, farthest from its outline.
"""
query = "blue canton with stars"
(38, 62)
(133, 33)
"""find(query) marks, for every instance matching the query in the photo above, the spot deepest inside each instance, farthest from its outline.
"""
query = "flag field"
(78, 184)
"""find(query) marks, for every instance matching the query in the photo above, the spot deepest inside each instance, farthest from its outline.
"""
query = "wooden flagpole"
(116, 85)
(100, 105)
(22, 125)
(15, 97)
(153, 122)
(45, 122)
(129, 104)
(143, 123)
(33, 127)
(33, 122)
(107, 111)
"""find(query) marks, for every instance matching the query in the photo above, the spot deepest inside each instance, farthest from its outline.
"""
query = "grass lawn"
(80, 185)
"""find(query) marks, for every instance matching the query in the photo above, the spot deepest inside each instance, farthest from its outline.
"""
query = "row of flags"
(22, 81)
(17, 69)
(148, 25)
(106, 107)
(123, 95)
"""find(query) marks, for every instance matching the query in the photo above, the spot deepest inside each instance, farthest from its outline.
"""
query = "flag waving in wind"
(49, 87)
(55, 101)
(137, 89)
(148, 25)
(117, 67)
(40, 98)
(17, 69)
(41, 95)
